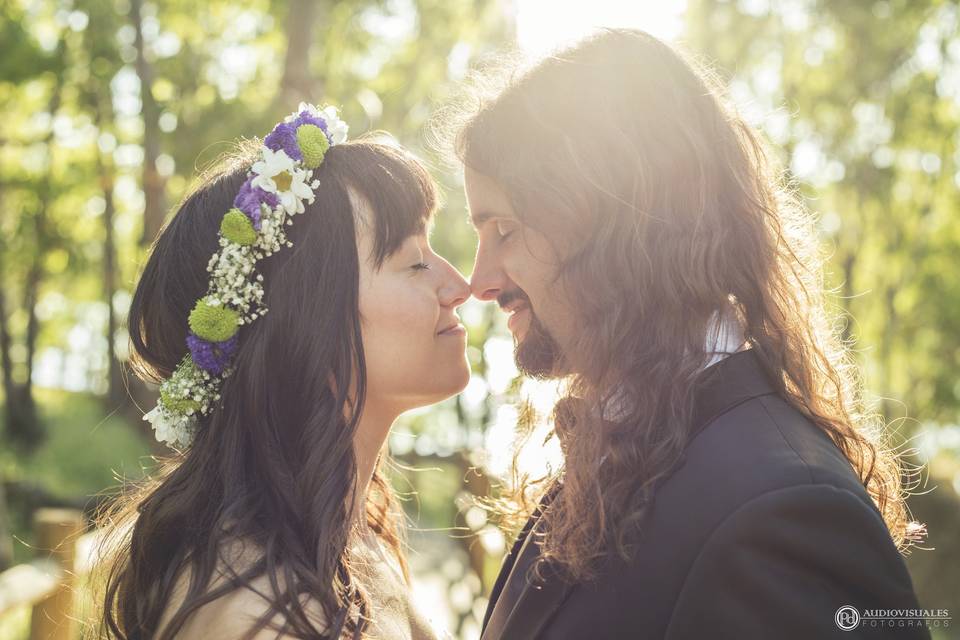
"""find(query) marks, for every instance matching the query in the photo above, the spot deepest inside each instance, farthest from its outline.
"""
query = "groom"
(718, 481)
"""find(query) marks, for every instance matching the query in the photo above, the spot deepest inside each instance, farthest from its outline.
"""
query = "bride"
(290, 310)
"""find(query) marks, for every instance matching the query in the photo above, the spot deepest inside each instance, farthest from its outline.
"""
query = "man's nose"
(488, 279)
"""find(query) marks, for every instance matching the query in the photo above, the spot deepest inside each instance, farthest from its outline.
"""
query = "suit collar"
(733, 381)
(739, 377)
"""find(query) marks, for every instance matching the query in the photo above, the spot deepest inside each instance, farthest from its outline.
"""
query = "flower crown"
(277, 186)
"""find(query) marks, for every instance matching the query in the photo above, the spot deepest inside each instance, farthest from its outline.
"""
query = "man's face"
(517, 266)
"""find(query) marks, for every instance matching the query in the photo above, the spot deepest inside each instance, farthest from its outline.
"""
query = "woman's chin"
(458, 380)
(450, 385)
(464, 378)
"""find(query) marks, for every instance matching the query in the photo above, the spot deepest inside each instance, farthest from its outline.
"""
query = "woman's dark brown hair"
(627, 149)
(275, 465)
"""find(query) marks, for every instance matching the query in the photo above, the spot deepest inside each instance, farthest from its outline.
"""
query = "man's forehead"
(485, 198)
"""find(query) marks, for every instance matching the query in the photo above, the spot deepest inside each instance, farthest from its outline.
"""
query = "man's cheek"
(514, 269)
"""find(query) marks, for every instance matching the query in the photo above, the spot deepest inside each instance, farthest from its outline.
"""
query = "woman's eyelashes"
(421, 262)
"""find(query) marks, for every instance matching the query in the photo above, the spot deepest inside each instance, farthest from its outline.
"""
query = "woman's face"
(413, 342)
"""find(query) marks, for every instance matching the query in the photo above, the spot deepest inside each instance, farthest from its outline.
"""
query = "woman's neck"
(368, 443)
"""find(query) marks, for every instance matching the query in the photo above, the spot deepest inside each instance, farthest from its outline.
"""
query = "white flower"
(272, 164)
(300, 190)
(303, 106)
(309, 108)
(336, 127)
(174, 429)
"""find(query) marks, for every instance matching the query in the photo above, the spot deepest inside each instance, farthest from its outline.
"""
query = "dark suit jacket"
(764, 531)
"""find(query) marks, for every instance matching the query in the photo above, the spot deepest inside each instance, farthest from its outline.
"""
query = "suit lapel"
(738, 378)
(537, 602)
(508, 563)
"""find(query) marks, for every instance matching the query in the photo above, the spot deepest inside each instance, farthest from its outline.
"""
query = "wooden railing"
(48, 583)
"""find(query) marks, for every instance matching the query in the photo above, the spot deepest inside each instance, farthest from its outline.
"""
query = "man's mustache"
(509, 296)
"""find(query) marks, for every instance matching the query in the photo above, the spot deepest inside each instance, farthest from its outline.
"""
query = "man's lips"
(515, 312)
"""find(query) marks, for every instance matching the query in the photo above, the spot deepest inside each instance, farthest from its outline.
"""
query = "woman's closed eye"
(420, 266)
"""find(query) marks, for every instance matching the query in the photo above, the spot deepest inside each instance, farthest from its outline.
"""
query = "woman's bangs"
(398, 189)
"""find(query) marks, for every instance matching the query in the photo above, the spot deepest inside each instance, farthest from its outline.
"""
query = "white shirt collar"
(724, 336)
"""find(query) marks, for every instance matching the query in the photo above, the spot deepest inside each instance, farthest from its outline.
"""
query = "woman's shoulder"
(237, 613)
(234, 614)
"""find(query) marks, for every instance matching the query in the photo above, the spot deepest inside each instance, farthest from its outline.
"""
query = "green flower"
(313, 144)
(237, 227)
(213, 322)
(178, 405)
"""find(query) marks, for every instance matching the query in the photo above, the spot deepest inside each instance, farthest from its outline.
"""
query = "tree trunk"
(6, 363)
(23, 425)
(154, 208)
(115, 396)
(297, 83)
(153, 183)
(6, 542)
(19, 411)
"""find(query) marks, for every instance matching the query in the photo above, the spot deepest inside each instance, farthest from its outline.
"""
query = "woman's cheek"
(408, 311)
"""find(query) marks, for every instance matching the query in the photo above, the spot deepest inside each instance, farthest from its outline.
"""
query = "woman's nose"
(455, 289)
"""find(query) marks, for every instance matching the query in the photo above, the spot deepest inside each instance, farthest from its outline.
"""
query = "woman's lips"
(455, 330)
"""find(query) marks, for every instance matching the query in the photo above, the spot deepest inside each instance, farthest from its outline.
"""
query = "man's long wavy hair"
(626, 149)
(274, 465)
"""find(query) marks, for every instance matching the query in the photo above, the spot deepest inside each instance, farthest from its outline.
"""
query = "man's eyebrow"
(480, 217)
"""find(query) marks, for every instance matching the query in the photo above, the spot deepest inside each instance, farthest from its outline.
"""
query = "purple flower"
(250, 198)
(284, 136)
(212, 357)
(306, 117)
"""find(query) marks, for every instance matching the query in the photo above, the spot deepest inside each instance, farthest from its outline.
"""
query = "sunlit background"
(110, 107)
(543, 25)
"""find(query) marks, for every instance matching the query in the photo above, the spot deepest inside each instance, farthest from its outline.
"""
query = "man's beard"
(537, 354)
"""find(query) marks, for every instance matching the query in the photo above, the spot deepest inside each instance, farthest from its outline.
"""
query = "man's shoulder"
(761, 446)
(756, 476)
(762, 452)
